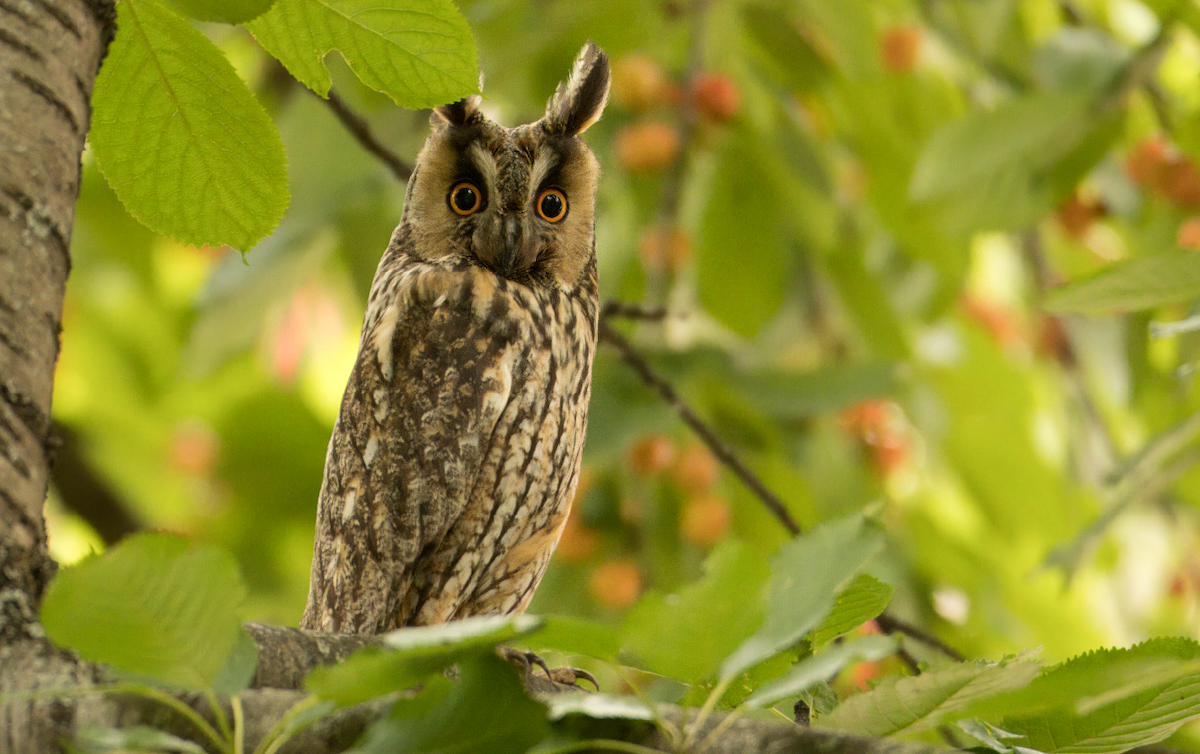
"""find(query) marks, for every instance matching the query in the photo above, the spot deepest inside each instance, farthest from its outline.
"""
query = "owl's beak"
(512, 243)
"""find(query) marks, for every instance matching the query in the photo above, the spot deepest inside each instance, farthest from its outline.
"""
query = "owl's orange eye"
(552, 205)
(465, 198)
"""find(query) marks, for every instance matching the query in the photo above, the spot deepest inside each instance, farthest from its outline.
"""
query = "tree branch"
(361, 131)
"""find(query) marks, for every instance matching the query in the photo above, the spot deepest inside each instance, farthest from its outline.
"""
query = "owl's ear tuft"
(580, 99)
(458, 113)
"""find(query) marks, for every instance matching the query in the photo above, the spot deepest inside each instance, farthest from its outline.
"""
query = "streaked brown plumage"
(456, 451)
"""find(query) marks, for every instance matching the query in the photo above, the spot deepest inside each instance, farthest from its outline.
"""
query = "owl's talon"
(569, 676)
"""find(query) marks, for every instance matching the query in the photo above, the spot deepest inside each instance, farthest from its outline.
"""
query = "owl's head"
(518, 201)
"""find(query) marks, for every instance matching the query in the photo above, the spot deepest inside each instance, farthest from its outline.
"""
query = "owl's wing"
(432, 377)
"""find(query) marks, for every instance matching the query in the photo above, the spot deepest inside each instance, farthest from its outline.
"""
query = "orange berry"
(651, 454)
(716, 96)
(578, 541)
(899, 48)
(1189, 233)
(704, 520)
(696, 470)
(195, 447)
(864, 672)
(1144, 164)
(665, 249)
(1181, 183)
(996, 319)
(889, 450)
(1077, 214)
(616, 584)
(646, 146)
(638, 82)
(866, 418)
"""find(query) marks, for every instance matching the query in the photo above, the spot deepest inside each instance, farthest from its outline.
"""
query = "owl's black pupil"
(464, 199)
(552, 205)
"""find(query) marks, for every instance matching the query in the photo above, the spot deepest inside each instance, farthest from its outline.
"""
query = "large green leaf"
(484, 710)
(413, 654)
(1110, 700)
(862, 600)
(225, 11)
(155, 605)
(1141, 283)
(821, 667)
(418, 52)
(912, 703)
(180, 138)
(1029, 132)
(705, 621)
(567, 633)
(806, 575)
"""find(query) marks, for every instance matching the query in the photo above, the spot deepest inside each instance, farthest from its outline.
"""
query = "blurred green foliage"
(911, 251)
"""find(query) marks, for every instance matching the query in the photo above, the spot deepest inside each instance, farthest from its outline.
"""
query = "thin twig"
(722, 451)
(624, 310)
(361, 131)
(890, 624)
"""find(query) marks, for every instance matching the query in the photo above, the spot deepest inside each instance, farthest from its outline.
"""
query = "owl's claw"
(564, 675)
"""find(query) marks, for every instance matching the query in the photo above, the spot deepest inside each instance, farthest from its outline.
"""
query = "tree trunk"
(50, 52)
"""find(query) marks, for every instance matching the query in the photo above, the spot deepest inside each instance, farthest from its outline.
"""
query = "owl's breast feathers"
(456, 452)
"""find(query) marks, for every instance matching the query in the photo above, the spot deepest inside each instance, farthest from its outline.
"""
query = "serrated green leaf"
(94, 740)
(413, 654)
(1028, 132)
(902, 704)
(1106, 701)
(707, 619)
(1134, 284)
(485, 709)
(156, 605)
(223, 11)
(418, 52)
(179, 137)
(806, 576)
(822, 666)
(862, 600)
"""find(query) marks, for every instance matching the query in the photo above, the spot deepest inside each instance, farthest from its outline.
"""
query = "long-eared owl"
(456, 451)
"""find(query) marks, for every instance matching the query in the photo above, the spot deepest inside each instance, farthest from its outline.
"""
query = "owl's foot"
(562, 676)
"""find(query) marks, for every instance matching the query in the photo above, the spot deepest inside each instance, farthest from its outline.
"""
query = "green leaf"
(789, 57)
(418, 52)
(155, 605)
(485, 709)
(863, 600)
(223, 11)
(807, 573)
(705, 621)
(94, 739)
(912, 703)
(822, 666)
(413, 654)
(239, 667)
(744, 261)
(1029, 132)
(179, 137)
(599, 707)
(567, 633)
(795, 397)
(1109, 700)
(1133, 284)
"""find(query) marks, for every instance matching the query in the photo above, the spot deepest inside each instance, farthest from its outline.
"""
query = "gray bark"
(49, 55)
